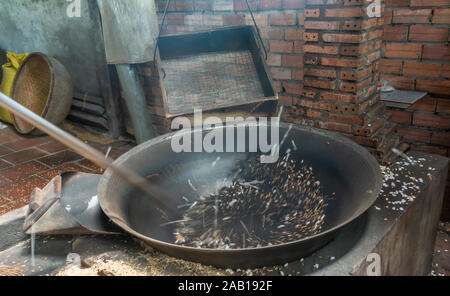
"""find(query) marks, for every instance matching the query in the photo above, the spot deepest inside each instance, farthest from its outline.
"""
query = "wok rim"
(372, 162)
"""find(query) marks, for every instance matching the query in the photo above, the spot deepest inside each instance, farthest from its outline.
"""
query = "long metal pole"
(83, 149)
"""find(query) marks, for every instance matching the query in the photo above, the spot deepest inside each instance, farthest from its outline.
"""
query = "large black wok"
(346, 171)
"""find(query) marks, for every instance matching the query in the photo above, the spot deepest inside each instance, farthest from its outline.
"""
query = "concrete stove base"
(394, 237)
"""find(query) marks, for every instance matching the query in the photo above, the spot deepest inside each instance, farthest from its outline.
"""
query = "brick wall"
(341, 55)
(416, 56)
(339, 92)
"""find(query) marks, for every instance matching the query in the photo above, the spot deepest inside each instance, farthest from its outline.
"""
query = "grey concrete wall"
(44, 26)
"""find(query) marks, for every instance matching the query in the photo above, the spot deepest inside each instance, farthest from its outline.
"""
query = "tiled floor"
(27, 163)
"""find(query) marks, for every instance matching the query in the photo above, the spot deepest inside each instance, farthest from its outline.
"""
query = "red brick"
(317, 83)
(312, 13)
(351, 119)
(293, 4)
(269, 4)
(421, 69)
(293, 34)
(428, 34)
(340, 127)
(312, 37)
(425, 104)
(285, 100)
(376, 34)
(282, 47)
(175, 19)
(260, 18)
(372, 57)
(201, 5)
(445, 71)
(441, 16)
(191, 20)
(369, 24)
(288, 19)
(436, 52)
(443, 106)
(431, 120)
(298, 46)
(343, 12)
(312, 104)
(390, 66)
(233, 20)
(434, 86)
(313, 113)
(184, 6)
(301, 19)
(351, 51)
(317, 72)
(323, 49)
(356, 75)
(354, 3)
(292, 61)
(213, 20)
(274, 60)
(396, 3)
(411, 51)
(442, 139)
(293, 88)
(414, 135)
(338, 62)
(425, 3)
(351, 26)
(354, 87)
(241, 5)
(344, 98)
(311, 60)
(272, 33)
(297, 75)
(400, 82)
(387, 17)
(321, 25)
(399, 116)
(281, 73)
(309, 93)
(411, 16)
(394, 33)
(343, 38)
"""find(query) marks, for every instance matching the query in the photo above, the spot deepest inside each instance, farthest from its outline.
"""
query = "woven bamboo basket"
(43, 85)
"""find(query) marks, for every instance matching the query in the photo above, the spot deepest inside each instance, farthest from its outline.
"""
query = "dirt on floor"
(441, 255)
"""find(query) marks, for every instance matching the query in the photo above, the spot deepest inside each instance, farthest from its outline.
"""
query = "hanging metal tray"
(213, 70)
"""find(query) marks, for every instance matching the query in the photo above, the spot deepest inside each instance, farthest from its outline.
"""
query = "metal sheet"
(130, 29)
(402, 98)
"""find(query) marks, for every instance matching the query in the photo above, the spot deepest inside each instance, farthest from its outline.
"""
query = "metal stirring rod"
(83, 149)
